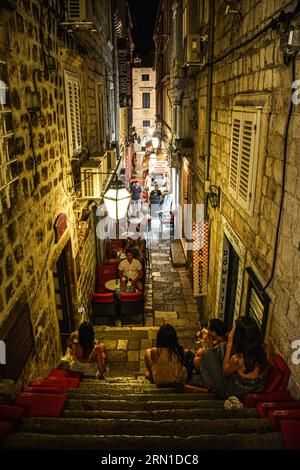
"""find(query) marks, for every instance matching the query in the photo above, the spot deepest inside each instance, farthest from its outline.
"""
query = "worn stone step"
(142, 397)
(253, 441)
(124, 404)
(194, 413)
(146, 427)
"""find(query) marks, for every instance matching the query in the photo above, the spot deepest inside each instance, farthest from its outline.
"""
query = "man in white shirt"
(132, 269)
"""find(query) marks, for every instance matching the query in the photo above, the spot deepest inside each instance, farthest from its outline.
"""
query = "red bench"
(72, 374)
(290, 430)
(5, 429)
(276, 416)
(11, 414)
(264, 407)
(41, 404)
(61, 382)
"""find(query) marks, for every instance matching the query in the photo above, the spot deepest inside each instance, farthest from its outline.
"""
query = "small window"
(244, 156)
(73, 112)
(257, 301)
(8, 161)
(145, 77)
(146, 123)
(146, 100)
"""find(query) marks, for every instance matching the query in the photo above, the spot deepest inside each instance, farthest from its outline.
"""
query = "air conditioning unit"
(195, 49)
(79, 10)
(177, 68)
(111, 155)
(91, 179)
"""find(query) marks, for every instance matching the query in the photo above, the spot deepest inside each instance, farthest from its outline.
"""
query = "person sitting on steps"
(165, 363)
(217, 333)
(88, 356)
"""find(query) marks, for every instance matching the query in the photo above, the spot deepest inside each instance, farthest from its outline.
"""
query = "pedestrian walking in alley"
(165, 363)
(136, 192)
(87, 355)
(155, 200)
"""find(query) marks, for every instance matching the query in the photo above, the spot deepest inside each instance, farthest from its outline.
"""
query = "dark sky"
(143, 14)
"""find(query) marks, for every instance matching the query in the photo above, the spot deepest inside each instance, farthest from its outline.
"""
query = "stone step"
(194, 413)
(253, 441)
(177, 254)
(145, 427)
(135, 405)
(141, 397)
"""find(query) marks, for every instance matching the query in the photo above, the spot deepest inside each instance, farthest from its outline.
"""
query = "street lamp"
(116, 200)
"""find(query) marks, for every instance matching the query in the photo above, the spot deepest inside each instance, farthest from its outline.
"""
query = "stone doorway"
(62, 276)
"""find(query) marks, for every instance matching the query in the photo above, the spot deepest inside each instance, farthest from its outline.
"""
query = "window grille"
(73, 113)
(146, 123)
(244, 156)
(257, 301)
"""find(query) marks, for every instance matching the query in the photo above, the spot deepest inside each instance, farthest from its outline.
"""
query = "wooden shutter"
(243, 157)
(73, 113)
(257, 301)
(202, 13)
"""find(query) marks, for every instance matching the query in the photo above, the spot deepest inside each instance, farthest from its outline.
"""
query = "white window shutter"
(243, 158)
(73, 113)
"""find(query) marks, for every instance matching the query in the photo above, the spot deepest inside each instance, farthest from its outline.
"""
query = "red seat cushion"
(290, 430)
(131, 296)
(252, 399)
(40, 389)
(41, 404)
(273, 378)
(276, 416)
(11, 414)
(61, 382)
(264, 407)
(65, 373)
(103, 298)
(284, 370)
(5, 430)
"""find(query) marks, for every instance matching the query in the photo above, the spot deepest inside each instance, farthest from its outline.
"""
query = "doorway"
(62, 275)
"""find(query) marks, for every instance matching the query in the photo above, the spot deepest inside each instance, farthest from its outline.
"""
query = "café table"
(113, 284)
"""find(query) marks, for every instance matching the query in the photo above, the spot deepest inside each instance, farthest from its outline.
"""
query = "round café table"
(112, 284)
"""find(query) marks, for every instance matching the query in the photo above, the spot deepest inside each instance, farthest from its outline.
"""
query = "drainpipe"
(209, 95)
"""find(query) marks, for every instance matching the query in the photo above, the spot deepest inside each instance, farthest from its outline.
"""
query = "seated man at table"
(132, 269)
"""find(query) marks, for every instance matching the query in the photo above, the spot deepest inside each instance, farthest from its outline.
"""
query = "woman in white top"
(89, 356)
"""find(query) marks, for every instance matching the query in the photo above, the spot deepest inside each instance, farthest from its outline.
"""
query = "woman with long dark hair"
(165, 363)
(238, 367)
(88, 356)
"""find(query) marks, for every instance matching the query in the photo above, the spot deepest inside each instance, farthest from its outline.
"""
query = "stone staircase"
(127, 412)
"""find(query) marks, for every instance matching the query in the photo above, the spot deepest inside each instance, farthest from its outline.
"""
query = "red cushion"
(40, 389)
(103, 298)
(273, 378)
(5, 430)
(263, 407)
(65, 373)
(61, 382)
(285, 371)
(41, 404)
(131, 296)
(10, 413)
(290, 430)
(276, 416)
(252, 399)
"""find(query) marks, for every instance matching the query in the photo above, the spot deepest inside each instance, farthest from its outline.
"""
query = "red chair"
(60, 382)
(103, 305)
(284, 370)
(251, 400)
(5, 430)
(41, 404)
(40, 389)
(273, 378)
(276, 416)
(290, 430)
(72, 374)
(11, 414)
(105, 273)
(264, 407)
(132, 303)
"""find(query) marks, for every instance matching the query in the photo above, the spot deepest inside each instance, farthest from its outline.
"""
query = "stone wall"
(46, 186)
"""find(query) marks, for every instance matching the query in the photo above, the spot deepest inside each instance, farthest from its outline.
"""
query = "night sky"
(143, 14)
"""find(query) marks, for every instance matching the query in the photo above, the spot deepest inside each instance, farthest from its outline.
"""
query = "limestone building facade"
(230, 119)
(144, 98)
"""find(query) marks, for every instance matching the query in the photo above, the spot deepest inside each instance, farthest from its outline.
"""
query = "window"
(146, 100)
(145, 77)
(257, 301)
(8, 162)
(202, 13)
(244, 155)
(146, 123)
(100, 116)
(73, 113)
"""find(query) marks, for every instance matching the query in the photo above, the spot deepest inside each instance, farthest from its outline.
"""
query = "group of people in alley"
(233, 364)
